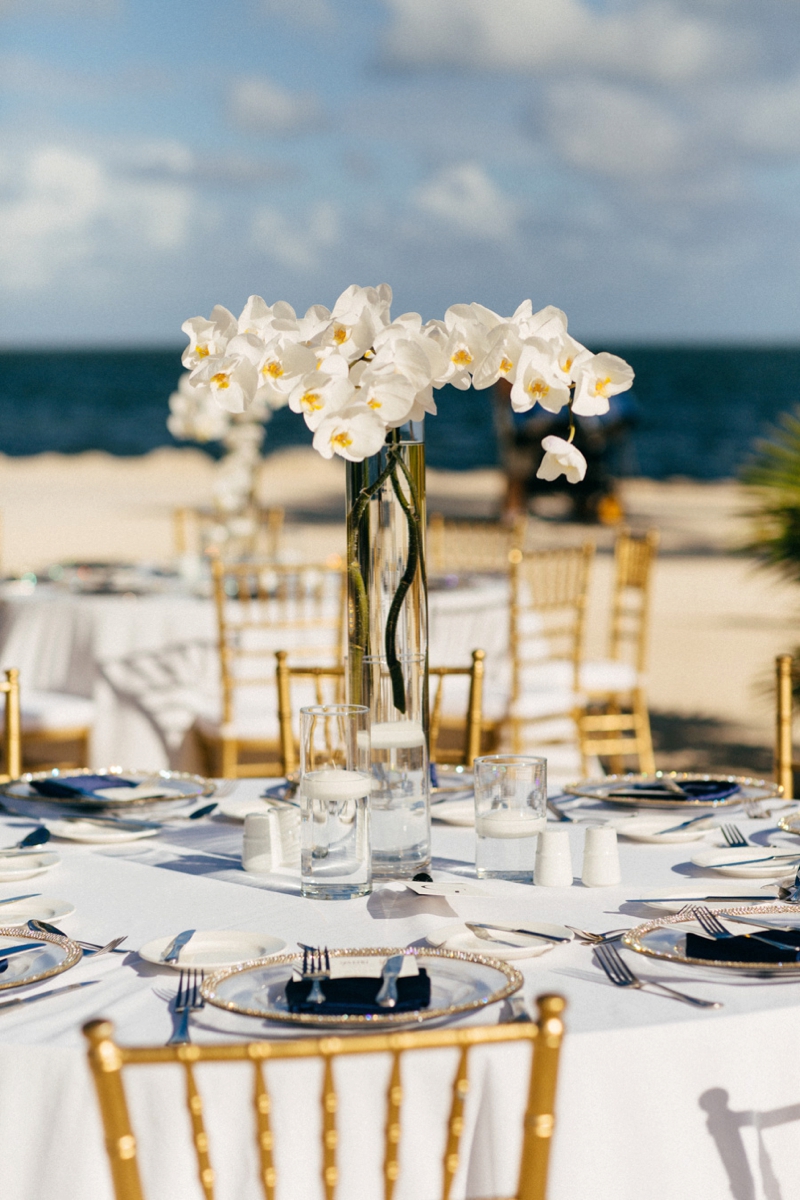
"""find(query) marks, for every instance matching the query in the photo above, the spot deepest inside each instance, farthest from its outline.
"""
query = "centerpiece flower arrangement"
(363, 383)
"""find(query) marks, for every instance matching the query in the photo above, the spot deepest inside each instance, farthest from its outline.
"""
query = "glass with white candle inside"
(400, 802)
(510, 811)
(334, 793)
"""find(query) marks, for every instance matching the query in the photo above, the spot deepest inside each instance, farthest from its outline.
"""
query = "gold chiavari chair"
(548, 592)
(440, 724)
(618, 725)
(475, 546)
(261, 608)
(787, 674)
(12, 746)
(256, 532)
(107, 1061)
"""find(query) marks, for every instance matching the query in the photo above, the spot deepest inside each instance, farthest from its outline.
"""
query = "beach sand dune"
(718, 620)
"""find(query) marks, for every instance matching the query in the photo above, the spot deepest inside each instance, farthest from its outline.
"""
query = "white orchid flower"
(208, 338)
(597, 377)
(232, 377)
(281, 365)
(549, 323)
(355, 433)
(504, 350)
(389, 395)
(260, 318)
(318, 395)
(561, 458)
(194, 413)
(537, 380)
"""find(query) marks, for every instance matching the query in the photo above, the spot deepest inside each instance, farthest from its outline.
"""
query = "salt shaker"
(553, 866)
(257, 848)
(600, 857)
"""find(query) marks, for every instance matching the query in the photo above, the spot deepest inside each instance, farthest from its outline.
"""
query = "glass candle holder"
(334, 791)
(510, 812)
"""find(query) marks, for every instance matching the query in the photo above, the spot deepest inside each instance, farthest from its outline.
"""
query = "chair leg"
(229, 758)
(644, 736)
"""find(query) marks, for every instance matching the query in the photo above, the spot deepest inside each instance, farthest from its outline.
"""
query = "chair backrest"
(473, 722)
(787, 673)
(12, 744)
(548, 608)
(107, 1060)
(634, 556)
(256, 532)
(317, 676)
(475, 546)
(263, 607)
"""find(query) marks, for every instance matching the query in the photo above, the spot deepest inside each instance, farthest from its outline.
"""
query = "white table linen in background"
(150, 662)
(655, 1099)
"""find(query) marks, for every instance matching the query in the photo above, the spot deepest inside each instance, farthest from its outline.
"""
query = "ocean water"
(699, 408)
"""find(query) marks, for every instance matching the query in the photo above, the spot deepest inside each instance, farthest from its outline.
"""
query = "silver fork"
(715, 929)
(597, 939)
(621, 975)
(313, 969)
(188, 999)
(734, 836)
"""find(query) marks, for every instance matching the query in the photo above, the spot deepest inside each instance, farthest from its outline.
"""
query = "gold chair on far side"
(256, 532)
(12, 742)
(474, 546)
(262, 607)
(618, 726)
(787, 673)
(107, 1060)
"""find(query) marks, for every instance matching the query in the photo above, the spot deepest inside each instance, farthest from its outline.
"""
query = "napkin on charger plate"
(355, 993)
(744, 949)
(99, 787)
(710, 790)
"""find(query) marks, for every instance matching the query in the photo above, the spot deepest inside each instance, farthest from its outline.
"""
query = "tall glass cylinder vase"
(388, 643)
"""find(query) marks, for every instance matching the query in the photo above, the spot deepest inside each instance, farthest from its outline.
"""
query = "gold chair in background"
(546, 632)
(12, 750)
(261, 608)
(618, 725)
(256, 532)
(107, 1060)
(313, 675)
(787, 673)
(473, 546)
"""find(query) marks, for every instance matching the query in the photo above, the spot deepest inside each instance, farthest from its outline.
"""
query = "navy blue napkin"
(356, 995)
(744, 949)
(70, 787)
(710, 790)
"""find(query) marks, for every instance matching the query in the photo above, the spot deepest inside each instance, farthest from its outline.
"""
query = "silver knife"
(544, 937)
(173, 950)
(14, 899)
(72, 987)
(6, 952)
(693, 899)
(387, 996)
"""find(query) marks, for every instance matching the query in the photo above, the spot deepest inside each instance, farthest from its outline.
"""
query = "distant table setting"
(663, 908)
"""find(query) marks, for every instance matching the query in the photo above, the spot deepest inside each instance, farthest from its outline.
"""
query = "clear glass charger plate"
(184, 785)
(750, 790)
(461, 982)
(55, 955)
(666, 939)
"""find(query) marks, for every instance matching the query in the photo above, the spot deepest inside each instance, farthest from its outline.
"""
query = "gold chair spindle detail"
(107, 1060)
(785, 765)
(12, 736)
(473, 723)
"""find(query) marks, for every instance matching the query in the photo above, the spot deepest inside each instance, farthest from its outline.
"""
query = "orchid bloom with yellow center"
(597, 378)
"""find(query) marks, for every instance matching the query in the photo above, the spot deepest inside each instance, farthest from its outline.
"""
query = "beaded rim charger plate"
(790, 823)
(750, 790)
(183, 785)
(461, 982)
(56, 954)
(666, 939)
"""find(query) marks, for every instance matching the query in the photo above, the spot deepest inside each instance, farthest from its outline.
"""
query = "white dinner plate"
(214, 949)
(743, 863)
(84, 829)
(236, 808)
(24, 864)
(456, 936)
(38, 908)
(676, 897)
(645, 827)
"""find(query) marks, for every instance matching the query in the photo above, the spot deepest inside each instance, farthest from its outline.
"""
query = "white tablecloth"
(151, 663)
(655, 1100)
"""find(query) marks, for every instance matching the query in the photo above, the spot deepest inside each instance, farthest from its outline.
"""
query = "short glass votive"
(510, 811)
(334, 793)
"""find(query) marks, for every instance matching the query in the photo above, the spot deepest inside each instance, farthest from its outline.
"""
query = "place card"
(444, 888)
(369, 966)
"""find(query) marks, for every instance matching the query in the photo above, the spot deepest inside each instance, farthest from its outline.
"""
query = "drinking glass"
(334, 795)
(510, 810)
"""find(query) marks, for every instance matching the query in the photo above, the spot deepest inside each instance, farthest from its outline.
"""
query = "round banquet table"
(655, 1099)
(150, 662)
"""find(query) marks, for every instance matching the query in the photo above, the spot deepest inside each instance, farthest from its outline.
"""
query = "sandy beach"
(718, 619)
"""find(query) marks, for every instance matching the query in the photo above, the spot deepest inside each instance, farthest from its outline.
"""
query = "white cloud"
(296, 243)
(466, 198)
(656, 39)
(63, 210)
(258, 105)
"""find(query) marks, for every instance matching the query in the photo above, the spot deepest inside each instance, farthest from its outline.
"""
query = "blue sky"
(636, 162)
